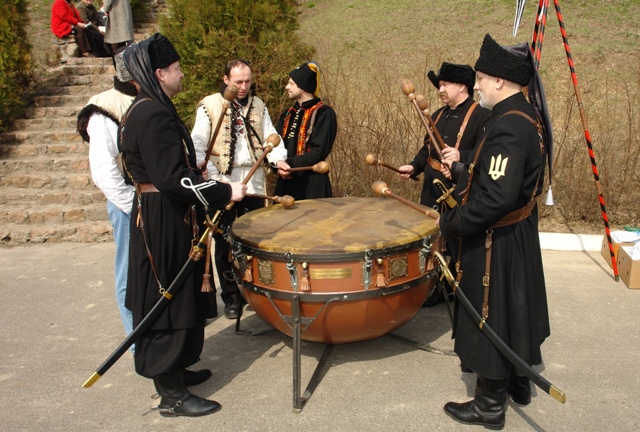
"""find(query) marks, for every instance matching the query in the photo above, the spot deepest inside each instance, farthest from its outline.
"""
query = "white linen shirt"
(103, 151)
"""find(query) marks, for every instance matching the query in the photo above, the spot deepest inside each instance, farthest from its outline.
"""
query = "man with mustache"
(460, 122)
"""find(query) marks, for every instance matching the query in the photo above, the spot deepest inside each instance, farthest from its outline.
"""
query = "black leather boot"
(193, 378)
(488, 406)
(175, 399)
(519, 389)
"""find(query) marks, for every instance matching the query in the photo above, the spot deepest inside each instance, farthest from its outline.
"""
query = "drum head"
(332, 225)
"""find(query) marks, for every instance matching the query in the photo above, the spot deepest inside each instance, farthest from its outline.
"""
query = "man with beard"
(497, 219)
(172, 198)
(308, 129)
(460, 122)
(244, 129)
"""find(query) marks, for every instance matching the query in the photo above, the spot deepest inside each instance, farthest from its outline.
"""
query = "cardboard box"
(628, 269)
(604, 250)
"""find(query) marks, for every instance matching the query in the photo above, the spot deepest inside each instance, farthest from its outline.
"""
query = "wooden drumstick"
(381, 188)
(424, 106)
(272, 141)
(372, 159)
(286, 200)
(408, 89)
(230, 93)
(320, 168)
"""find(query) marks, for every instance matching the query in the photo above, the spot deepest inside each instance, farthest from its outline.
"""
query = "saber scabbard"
(522, 366)
(194, 256)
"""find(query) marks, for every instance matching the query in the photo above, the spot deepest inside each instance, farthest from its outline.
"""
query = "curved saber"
(194, 256)
(149, 319)
(522, 366)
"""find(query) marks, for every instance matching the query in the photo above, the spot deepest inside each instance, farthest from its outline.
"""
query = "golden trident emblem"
(498, 167)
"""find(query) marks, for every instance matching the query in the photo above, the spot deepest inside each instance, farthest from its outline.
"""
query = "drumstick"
(272, 141)
(320, 168)
(381, 188)
(286, 200)
(372, 159)
(409, 89)
(230, 93)
(424, 106)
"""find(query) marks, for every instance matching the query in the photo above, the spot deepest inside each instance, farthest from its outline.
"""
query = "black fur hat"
(455, 73)
(307, 77)
(496, 61)
(162, 53)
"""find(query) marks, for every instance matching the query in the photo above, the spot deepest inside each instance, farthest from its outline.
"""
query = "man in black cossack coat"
(497, 217)
(460, 123)
(167, 215)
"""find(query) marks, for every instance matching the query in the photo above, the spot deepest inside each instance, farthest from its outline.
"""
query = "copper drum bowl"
(357, 268)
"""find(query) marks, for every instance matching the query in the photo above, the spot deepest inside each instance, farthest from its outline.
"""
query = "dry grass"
(366, 48)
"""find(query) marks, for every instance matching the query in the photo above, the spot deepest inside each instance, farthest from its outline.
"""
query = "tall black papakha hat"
(496, 61)
(307, 77)
(162, 53)
(454, 73)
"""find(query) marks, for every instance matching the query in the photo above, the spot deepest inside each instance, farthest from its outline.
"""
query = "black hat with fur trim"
(307, 77)
(496, 61)
(162, 53)
(455, 73)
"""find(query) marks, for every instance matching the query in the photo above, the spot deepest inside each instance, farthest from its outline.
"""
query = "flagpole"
(587, 135)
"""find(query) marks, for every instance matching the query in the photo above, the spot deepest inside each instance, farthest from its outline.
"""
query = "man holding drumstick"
(309, 129)
(460, 122)
(245, 127)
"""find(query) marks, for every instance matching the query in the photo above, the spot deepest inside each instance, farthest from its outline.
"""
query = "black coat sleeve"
(165, 155)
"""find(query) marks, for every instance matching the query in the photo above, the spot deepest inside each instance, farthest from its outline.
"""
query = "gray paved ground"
(59, 322)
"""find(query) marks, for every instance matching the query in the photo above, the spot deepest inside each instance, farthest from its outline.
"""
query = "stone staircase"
(46, 191)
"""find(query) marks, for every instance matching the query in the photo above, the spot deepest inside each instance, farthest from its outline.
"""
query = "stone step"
(61, 100)
(52, 112)
(52, 149)
(45, 123)
(53, 213)
(79, 84)
(70, 231)
(77, 181)
(41, 136)
(84, 68)
(45, 164)
(17, 198)
(46, 191)
(84, 61)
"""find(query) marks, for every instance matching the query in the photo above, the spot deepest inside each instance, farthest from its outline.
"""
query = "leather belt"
(147, 187)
